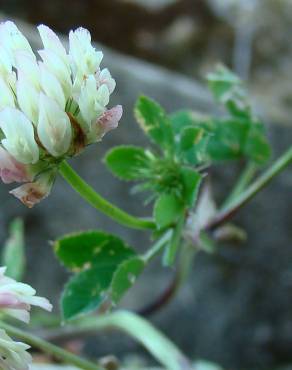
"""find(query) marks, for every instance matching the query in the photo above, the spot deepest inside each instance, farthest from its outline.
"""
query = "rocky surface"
(236, 308)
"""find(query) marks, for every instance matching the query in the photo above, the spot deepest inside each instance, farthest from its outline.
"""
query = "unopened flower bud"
(19, 136)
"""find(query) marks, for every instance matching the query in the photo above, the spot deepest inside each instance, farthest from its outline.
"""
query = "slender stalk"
(184, 265)
(49, 348)
(157, 344)
(244, 179)
(156, 248)
(227, 212)
(98, 202)
(172, 248)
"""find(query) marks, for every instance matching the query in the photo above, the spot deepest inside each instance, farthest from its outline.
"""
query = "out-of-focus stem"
(227, 212)
(157, 344)
(157, 247)
(184, 265)
(49, 348)
(244, 179)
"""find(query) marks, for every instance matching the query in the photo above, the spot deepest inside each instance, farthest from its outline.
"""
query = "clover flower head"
(13, 355)
(16, 300)
(51, 107)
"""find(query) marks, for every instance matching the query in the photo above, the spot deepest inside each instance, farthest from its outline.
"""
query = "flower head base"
(50, 108)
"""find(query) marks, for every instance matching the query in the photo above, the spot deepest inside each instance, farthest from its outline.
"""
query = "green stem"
(227, 212)
(157, 247)
(49, 348)
(186, 257)
(153, 340)
(171, 250)
(98, 202)
(244, 179)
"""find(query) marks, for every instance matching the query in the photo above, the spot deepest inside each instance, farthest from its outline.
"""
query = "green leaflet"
(99, 260)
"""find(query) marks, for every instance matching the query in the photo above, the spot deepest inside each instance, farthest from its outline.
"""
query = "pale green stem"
(243, 181)
(186, 257)
(157, 247)
(98, 202)
(227, 212)
(185, 263)
(171, 250)
(153, 340)
(56, 352)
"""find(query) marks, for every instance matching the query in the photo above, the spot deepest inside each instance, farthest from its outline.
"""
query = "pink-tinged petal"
(8, 300)
(110, 119)
(32, 193)
(11, 170)
(17, 298)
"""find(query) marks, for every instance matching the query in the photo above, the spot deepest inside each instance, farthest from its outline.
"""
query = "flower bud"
(104, 78)
(108, 121)
(58, 68)
(32, 193)
(92, 101)
(27, 66)
(52, 42)
(27, 97)
(85, 59)
(51, 86)
(54, 128)
(11, 170)
(19, 136)
(12, 39)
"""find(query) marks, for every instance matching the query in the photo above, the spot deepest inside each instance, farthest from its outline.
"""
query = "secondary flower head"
(16, 300)
(13, 355)
(51, 107)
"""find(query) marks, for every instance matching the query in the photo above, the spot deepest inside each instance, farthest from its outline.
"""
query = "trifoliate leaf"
(97, 257)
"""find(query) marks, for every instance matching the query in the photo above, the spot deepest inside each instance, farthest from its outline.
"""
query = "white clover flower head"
(50, 108)
(13, 355)
(17, 298)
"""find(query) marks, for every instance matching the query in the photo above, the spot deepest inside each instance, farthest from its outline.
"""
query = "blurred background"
(236, 308)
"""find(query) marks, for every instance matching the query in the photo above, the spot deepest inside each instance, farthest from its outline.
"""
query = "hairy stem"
(98, 202)
(49, 348)
(227, 212)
